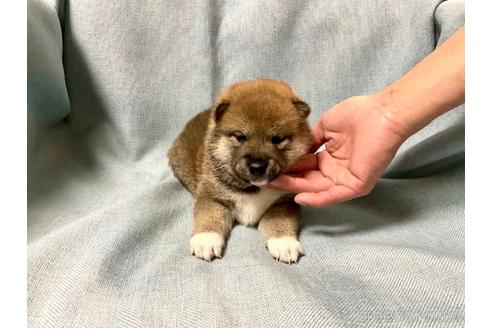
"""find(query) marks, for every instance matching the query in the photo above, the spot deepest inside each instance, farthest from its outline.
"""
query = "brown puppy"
(254, 131)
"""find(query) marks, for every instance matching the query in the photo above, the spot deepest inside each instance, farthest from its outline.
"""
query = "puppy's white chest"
(250, 207)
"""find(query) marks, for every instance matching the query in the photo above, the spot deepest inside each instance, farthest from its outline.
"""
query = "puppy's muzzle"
(257, 170)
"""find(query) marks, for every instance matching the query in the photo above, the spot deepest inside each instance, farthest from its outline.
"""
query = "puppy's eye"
(240, 137)
(278, 140)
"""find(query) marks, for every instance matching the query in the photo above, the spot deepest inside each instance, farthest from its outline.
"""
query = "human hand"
(361, 136)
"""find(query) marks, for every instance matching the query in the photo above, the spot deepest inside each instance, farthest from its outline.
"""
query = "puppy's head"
(258, 129)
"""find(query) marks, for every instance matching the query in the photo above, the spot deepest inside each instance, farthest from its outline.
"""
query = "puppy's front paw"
(285, 249)
(207, 245)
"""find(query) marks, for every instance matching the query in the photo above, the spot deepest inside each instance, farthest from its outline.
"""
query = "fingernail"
(300, 201)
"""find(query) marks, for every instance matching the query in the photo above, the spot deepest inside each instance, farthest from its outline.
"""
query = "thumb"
(318, 136)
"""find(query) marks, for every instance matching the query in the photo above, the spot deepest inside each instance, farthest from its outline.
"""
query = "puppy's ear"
(303, 108)
(220, 109)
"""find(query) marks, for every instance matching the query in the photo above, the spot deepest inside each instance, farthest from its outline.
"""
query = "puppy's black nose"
(258, 166)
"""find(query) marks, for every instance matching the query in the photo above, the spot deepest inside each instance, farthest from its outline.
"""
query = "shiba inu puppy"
(224, 155)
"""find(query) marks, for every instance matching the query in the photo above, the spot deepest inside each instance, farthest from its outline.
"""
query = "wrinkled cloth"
(111, 84)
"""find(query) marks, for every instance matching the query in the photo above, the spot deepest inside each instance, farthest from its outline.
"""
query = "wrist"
(400, 111)
(410, 112)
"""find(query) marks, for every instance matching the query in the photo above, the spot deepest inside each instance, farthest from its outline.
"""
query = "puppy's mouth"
(254, 181)
(256, 174)
(260, 183)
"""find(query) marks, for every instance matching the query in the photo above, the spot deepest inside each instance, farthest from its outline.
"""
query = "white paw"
(207, 245)
(285, 249)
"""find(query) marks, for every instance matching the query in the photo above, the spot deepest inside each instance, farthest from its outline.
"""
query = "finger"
(309, 181)
(279, 182)
(308, 162)
(318, 136)
(332, 145)
(332, 196)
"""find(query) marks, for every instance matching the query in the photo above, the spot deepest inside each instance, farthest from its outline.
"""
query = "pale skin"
(362, 134)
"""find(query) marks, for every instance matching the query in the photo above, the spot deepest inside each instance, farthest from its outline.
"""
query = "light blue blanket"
(111, 83)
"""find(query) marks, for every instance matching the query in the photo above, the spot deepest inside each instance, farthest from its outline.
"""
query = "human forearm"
(432, 87)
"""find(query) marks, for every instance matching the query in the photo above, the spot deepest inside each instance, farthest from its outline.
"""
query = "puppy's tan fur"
(211, 159)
